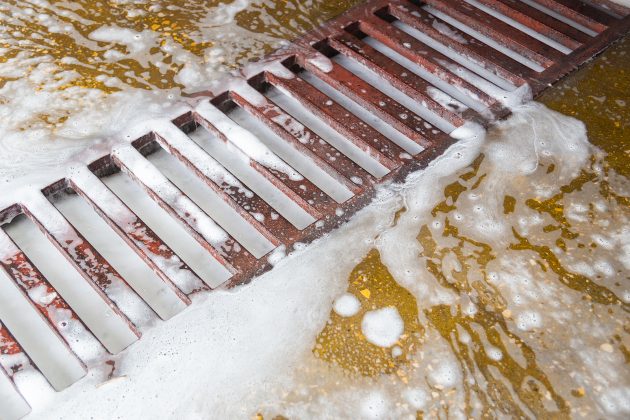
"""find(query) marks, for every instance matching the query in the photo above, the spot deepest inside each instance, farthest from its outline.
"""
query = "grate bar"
(10, 347)
(613, 8)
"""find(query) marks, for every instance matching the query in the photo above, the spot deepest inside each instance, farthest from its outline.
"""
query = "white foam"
(375, 406)
(322, 62)
(135, 41)
(417, 398)
(446, 374)
(382, 327)
(347, 305)
(528, 320)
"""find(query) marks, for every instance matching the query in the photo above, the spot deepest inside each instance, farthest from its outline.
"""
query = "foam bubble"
(347, 305)
(446, 374)
(528, 320)
(416, 397)
(382, 327)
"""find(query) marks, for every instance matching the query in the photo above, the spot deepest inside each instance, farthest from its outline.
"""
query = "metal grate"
(368, 98)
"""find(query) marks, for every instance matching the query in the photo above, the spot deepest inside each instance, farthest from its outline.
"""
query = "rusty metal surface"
(345, 36)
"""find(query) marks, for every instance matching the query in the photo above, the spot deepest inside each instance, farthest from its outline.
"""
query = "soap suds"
(347, 305)
(382, 327)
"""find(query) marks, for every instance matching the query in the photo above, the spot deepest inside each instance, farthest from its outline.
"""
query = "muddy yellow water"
(598, 95)
(373, 285)
(64, 30)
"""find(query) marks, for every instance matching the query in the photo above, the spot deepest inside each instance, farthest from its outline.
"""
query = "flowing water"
(495, 283)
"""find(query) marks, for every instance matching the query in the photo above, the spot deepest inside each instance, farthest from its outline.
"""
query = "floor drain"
(293, 148)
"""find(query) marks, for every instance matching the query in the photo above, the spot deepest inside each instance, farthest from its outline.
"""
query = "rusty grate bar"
(419, 53)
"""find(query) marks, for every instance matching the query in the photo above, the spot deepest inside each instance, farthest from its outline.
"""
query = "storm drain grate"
(370, 97)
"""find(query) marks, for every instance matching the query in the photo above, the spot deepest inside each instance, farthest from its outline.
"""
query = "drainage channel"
(282, 155)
